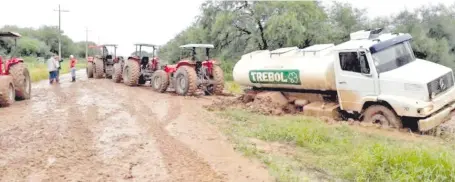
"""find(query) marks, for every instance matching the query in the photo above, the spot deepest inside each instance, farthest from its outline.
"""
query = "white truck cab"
(375, 68)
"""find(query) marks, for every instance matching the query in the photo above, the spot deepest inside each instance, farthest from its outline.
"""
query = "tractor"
(91, 62)
(14, 76)
(139, 69)
(102, 66)
(191, 74)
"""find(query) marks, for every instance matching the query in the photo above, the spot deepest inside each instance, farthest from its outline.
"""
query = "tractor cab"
(10, 59)
(107, 55)
(148, 61)
(193, 55)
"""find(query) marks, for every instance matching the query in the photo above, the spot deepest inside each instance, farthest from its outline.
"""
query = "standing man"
(52, 67)
(73, 62)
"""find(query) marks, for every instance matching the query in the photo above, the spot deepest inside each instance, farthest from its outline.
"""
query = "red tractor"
(102, 66)
(191, 74)
(91, 62)
(14, 76)
(138, 69)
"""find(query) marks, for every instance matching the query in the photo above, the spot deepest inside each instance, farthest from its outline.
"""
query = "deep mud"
(270, 103)
(97, 130)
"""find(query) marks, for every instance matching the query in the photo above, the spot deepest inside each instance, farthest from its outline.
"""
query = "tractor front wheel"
(7, 91)
(160, 81)
(117, 73)
(131, 73)
(185, 81)
(21, 80)
(99, 68)
(89, 70)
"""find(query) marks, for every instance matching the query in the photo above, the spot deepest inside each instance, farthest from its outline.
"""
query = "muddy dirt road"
(96, 130)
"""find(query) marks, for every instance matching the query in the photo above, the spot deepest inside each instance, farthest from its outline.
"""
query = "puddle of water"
(116, 131)
(160, 109)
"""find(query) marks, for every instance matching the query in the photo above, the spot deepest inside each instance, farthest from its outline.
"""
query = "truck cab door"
(356, 79)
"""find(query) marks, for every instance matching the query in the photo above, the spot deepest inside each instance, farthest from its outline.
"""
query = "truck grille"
(440, 84)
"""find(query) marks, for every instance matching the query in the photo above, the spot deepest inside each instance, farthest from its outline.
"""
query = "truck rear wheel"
(382, 115)
(185, 81)
(7, 91)
(99, 68)
(117, 73)
(89, 70)
(131, 73)
(21, 80)
(160, 81)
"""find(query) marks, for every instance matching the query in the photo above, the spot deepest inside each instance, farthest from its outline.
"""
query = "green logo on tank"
(275, 76)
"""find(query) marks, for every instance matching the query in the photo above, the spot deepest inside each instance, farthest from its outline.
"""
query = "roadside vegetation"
(238, 27)
(296, 148)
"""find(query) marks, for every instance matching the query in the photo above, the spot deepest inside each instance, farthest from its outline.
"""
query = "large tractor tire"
(7, 91)
(21, 81)
(379, 114)
(90, 70)
(117, 73)
(131, 73)
(160, 81)
(185, 81)
(109, 71)
(218, 78)
(99, 68)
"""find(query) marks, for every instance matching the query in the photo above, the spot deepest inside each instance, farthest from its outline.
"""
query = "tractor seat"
(145, 60)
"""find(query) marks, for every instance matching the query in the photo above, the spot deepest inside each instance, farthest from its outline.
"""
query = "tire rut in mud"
(54, 146)
(182, 163)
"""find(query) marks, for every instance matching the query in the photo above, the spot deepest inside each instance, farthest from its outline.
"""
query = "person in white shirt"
(52, 67)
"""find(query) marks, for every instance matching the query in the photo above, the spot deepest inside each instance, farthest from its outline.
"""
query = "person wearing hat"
(52, 67)
(73, 62)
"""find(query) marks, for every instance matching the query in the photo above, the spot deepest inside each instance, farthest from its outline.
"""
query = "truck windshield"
(393, 57)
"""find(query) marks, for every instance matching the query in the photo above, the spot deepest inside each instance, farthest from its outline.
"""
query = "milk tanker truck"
(374, 77)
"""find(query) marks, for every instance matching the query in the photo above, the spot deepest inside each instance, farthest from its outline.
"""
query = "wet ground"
(97, 130)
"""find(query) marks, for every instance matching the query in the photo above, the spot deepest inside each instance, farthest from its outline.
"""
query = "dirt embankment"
(96, 130)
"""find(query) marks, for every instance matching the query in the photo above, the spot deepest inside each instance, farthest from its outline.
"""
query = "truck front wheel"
(378, 114)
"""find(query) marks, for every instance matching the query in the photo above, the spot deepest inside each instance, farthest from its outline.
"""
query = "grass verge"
(315, 149)
(233, 87)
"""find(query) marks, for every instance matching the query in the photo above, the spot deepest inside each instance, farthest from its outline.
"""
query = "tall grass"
(38, 71)
(340, 150)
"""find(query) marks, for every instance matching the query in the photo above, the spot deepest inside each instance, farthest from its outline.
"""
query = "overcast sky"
(125, 22)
